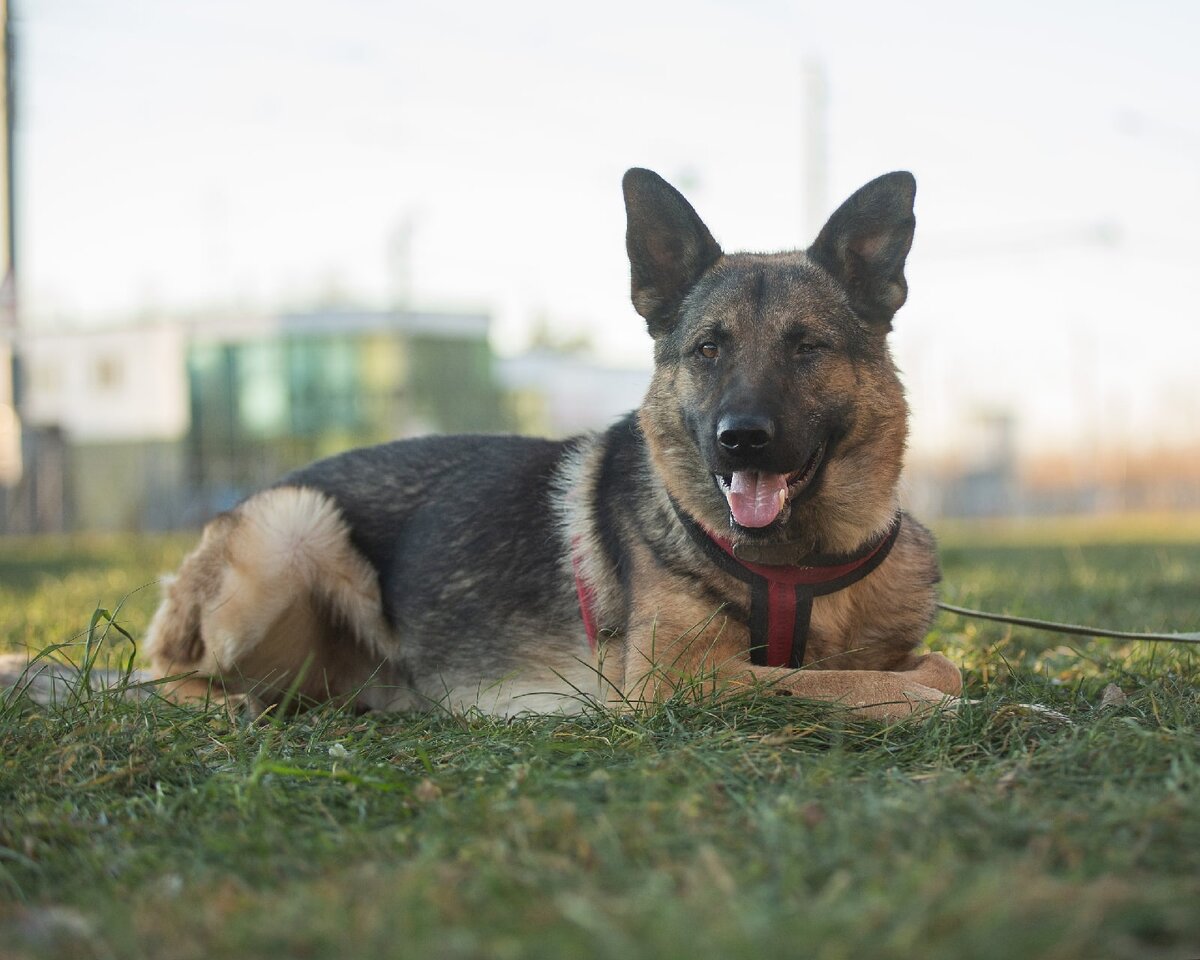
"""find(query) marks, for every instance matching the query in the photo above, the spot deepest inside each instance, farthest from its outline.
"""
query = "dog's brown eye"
(709, 350)
(807, 348)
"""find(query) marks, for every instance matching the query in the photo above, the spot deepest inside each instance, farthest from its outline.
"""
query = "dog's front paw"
(903, 699)
(923, 700)
(244, 707)
(933, 670)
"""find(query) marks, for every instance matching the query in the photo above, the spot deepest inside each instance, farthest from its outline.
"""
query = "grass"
(758, 828)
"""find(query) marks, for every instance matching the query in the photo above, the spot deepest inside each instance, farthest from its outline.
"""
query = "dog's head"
(775, 411)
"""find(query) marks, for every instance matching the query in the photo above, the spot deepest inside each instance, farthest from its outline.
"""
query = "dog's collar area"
(781, 594)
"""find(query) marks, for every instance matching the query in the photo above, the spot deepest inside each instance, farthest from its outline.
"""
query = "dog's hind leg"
(275, 600)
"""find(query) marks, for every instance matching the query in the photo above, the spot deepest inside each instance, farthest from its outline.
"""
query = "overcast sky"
(178, 155)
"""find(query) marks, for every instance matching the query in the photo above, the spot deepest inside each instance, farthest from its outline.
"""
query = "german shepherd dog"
(740, 529)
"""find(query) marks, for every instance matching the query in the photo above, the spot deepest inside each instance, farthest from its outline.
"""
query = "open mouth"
(756, 498)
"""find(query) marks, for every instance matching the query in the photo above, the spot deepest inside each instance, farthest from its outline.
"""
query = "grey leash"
(1071, 628)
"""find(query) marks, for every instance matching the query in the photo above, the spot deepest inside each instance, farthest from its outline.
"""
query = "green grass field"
(758, 828)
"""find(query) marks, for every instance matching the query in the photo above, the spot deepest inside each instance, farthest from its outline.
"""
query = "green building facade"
(323, 383)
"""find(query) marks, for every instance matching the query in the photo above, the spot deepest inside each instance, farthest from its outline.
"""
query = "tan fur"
(252, 606)
(676, 642)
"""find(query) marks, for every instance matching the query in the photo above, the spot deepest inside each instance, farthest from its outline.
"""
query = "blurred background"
(240, 236)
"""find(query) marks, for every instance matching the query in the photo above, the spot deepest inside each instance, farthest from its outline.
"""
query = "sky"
(262, 155)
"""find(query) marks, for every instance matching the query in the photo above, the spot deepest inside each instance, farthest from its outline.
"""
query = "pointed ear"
(865, 242)
(669, 247)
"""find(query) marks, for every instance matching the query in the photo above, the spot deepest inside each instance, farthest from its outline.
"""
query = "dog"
(740, 530)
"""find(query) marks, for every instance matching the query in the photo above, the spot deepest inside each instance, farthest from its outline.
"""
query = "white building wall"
(108, 385)
(579, 393)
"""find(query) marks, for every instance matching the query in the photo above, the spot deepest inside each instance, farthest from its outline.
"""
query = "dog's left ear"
(669, 247)
(865, 243)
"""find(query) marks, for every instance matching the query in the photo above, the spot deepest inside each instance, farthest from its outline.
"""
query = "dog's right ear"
(669, 247)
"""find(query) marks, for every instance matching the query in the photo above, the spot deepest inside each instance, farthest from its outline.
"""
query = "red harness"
(586, 594)
(780, 596)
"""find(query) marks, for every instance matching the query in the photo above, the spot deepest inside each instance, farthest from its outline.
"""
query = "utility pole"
(814, 135)
(399, 263)
(10, 386)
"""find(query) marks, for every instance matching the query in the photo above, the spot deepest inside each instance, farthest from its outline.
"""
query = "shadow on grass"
(26, 574)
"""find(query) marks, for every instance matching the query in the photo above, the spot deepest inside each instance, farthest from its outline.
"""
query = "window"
(108, 372)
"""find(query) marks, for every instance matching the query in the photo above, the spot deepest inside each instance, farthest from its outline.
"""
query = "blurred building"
(105, 414)
(557, 393)
(154, 426)
(981, 481)
(161, 425)
(985, 476)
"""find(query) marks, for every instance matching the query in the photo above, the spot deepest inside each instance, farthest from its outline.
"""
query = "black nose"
(743, 432)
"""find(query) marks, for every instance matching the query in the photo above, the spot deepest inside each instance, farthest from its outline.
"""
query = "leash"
(1073, 629)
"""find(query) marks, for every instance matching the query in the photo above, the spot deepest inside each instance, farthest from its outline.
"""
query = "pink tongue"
(755, 499)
